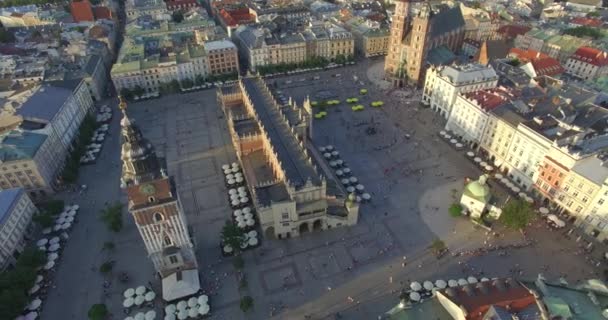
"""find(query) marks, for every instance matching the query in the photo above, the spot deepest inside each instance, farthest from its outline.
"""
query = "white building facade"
(16, 211)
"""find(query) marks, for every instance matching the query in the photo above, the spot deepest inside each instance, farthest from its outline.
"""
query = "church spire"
(139, 161)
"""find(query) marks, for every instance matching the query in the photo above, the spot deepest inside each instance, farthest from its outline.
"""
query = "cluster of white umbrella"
(104, 114)
(238, 196)
(557, 221)
(233, 175)
(192, 308)
(93, 149)
(149, 315)
(244, 218)
(428, 286)
(513, 187)
(250, 240)
(33, 315)
(137, 296)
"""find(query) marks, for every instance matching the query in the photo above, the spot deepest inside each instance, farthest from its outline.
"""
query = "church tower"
(155, 207)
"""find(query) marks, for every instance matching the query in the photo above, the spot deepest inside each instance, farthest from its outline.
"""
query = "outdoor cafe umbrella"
(452, 283)
(35, 304)
(472, 279)
(69, 219)
(54, 240)
(543, 210)
(353, 179)
(235, 203)
(52, 257)
(484, 279)
(253, 241)
(529, 199)
(71, 213)
(182, 305)
(335, 154)
(462, 282)
(47, 230)
(34, 289)
(504, 180)
(441, 284)
(192, 302)
(427, 285)
(250, 222)
(140, 290)
(345, 181)
(329, 147)
(43, 248)
(234, 197)
(242, 193)
(229, 176)
(246, 210)
(483, 164)
(128, 302)
(238, 212)
(414, 296)
(151, 315)
(140, 316)
(75, 207)
(339, 162)
(129, 292)
(232, 191)
(61, 220)
(332, 164)
(360, 187)
(516, 189)
(170, 316)
(522, 194)
(170, 308)
(235, 165)
(39, 278)
(339, 173)
(238, 174)
(42, 242)
(193, 312)
(31, 316)
(415, 286)
(489, 168)
(244, 200)
(66, 226)
(49, 265)
(470, 154)
(366, 196)
(235, 170)
(459, 145)
(227, 249)
(327, 155)
(57, 227)
(477, 159)
(442, 132)
(498, 176)
(203, 298)
(54, 247)
(203, 309)
(248, 216)
(150, 295)
(242, 224)
(346, 171)
(228, 171)
(129, 318)
(238, 179)
(139, 300)
(350, 189)
(225, 166)
(240, 218)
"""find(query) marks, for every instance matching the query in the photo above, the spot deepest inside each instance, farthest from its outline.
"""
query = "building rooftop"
(298, 170)
(592, 168)
(45, 103)
(20, 145)
(219, 45)
(8, 199)
(447, 21)
(489, 99)
(441, 55)
(468, 73)
(591, 55)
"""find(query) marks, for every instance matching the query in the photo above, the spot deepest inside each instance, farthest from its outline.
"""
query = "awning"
(180, 284)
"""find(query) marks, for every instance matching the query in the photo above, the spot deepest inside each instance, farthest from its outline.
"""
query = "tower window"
(167, 241)
(158, 217)
(151, 199)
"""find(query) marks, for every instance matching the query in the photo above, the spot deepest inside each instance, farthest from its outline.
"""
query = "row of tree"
(85, 133)
(175, 86)
(16, 283)
(584, 31)
(314, 62)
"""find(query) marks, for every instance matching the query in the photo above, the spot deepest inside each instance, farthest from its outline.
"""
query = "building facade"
(290, 195)
(443, 84)
(155, 206)
(222, 56)
(588, 63)
(16, 212)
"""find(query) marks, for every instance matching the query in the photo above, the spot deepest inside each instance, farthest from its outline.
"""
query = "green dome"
(478, 191)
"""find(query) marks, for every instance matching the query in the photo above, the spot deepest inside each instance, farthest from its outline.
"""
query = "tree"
(232, 235)
(475, 5)
(593, 14)
(138, 91)
(584, 31)
(177, 16)
(187, 83)
(438, 246)
(516, 214)
(126, 93)
(98, 312)
(44, 219)
(53, 207)
(106, 267)
(112, 216)
(108, 245)
(31, 258)
(246, 303)
(455, 210)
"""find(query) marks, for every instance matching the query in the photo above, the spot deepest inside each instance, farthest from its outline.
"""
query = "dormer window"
(158, 217)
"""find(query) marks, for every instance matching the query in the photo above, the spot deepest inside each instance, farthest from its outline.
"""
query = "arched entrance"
(269, 233)
(303, 228)
(317, 225)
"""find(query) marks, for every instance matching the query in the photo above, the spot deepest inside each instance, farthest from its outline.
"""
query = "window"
(167, 241)
(173, 259)
(151, 199)
(158, 217)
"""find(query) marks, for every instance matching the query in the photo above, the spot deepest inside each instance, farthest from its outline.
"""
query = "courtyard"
(393, 150)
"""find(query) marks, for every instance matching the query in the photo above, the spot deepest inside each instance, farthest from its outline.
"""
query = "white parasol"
(428, 285)
(54, 247)
(57, 227)
(459, 145)
(225, 166)
(235, 165)
(192, 302)
(244, 200)
(52, 257)
(227, 249)
(54, 240)
(182, 305)
(139, 300)
(253, 241)
(470, 154)
(246, 210)
(129, 293)
(69, 219)
(34, 289)
(248, 216)
(462, 282)
(128, 302)
(203, 309)
(75, 207)
(415, 286)
(242, 224)
(42, 242)
(350, 189)
(35, 304)
(39, 278)
(339, 173)
(252, 234)
(61, 220)
(250, 222)
(47, 230)
(441, 284)
(66, 226)
(151, 315)
(170, 308)
(203, 299)
(414, 296)
(453, 141)
(193, 312)
(353, 180)
(140, 290)
(150, 295)
(484, 279)
(49, 265)
(346, 170)
(366, 196)
(234, 197)
(472, 280)
(543, 210)
(452, 283)
(140, 316)
(477, 159)
(182, 314)
(232, 191)
(498, 176)
(31, 316)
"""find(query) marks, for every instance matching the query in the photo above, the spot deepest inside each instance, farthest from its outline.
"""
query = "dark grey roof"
(89, 68)
(497, 49)
(8, 199)
(293, 161)
(249, 38)
(441, 55)
(45, 103)
(446, 21)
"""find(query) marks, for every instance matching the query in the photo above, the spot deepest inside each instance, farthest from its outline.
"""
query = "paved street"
(412, 182)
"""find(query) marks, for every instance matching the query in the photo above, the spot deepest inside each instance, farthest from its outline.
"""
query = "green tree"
(455, 210)
(138, 91)
(516, 214)
(127, 94)
(584, 31)
(108, 246)
(31, 258)
(246, 303)
(243, 283)
(438, 246)
(593, 14)
(187, 83)
(44, 219)
(106, 267)
(98, 312)
(111, 215)
(232, 235)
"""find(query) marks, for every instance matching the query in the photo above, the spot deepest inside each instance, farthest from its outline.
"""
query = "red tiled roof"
(179, 3)
(589, 22)
(526, 55)
(547, 66)
(233, 17)
(489, 99)
(477, 299)
(81, 11)
(102, 12)
(591, 55)
(511, 31)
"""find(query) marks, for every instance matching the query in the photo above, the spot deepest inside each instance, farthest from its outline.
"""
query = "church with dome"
(476, 199)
